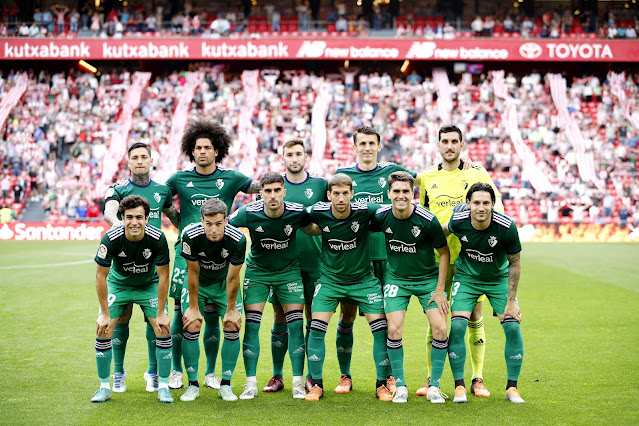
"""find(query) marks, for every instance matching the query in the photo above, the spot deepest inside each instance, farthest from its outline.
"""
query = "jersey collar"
(461, 166)
(308, 176)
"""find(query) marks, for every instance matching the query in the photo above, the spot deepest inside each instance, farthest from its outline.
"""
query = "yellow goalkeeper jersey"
(441, 190)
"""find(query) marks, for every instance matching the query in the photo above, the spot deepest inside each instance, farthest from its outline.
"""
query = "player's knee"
(194, 327)
(278, 314)
(477, 312)
(439, 331)
(394, 331)
(348, 313)
(230, 328)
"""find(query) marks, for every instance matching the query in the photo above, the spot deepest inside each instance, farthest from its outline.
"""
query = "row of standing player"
(207, 144)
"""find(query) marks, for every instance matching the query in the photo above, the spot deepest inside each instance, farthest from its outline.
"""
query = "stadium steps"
(33, 212)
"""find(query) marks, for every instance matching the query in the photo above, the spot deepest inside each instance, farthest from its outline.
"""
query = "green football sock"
(306, 336)
(279, 345)
(395, 351)
(230, 353)
(429, 348)
(457, 346)
(344, 344)
(476, 340)
(514, 351)
(211, 339)
(103, 356)
(118, 340)
(164, 356)
(150, 345)
(438, 360)
(317, 348)
(380, 334)
(295, 323)
(191, 353)
(251, 343)
(176, 335)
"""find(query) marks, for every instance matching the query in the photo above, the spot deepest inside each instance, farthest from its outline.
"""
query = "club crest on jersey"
(308, 193)
(146, 253)
(415, 231)
(156, 197)
(464, 184)
(225, 253)
(382, 182)
(355, 226)
(492, 241)
(288, 229)
(219, 183)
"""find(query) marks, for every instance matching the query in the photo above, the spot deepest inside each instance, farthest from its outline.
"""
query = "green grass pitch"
(580, 328)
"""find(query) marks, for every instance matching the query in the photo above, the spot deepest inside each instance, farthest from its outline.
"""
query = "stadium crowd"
(53, 142)
(272, 18)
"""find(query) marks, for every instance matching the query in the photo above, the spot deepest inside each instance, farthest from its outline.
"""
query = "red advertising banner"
(322, 48)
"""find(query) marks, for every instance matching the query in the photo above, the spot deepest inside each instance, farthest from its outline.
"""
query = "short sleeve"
(512, 244)
(238, 219)
(171, 184)
(187, 248)
(168, 200)
(237, 258)
(104, 256)
(375, 225)
(435, 228)
(163, 252)
(243, 182)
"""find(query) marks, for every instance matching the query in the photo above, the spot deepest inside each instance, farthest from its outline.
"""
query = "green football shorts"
(465, 296)
(287, 287)
(397, 295)
(214, 294)
(119, 297)
(367, 295)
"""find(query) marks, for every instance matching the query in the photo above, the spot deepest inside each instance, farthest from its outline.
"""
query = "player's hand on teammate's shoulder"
(467, 163)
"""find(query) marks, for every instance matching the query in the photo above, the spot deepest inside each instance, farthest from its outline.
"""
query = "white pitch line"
(47, 265)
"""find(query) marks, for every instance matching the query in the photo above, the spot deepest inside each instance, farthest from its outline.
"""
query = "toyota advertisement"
(322, 48)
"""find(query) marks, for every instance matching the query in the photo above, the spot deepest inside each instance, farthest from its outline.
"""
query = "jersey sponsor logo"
(190, 185)
(202, 201)
(388, 230)
(479, 256)
(147, 253)
(186, 249)
(259, 229)
(102, 251)
(212, 266)
(288, 229)
(382, 182)
(370, 197)
(308, 192)
(341, 245)
(450, 202)
(492, 241)
(355, 226)
(402, 247)
(272, 244)
(154, 213)
(464, 239)
(122, 254)
(136, 269)
(156, 197)
(225, 253)
(326, 229)
(219, 183)
(415, 231)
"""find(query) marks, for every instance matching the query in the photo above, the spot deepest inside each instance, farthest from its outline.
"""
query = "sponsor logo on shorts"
(272, 244)
(402, 247)
(479, 256)
(295, 287)
(374, 298)
(154, 302)
(341, 245)
(136, 269)
(102, 251)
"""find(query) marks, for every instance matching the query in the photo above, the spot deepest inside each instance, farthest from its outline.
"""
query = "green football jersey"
(483, 257)
(159, 197)
(307, 193)
(371, 186)
(194, 189)
(214, 258)
(345, 257)
(410, 243)
(273, 245)
(133, 263)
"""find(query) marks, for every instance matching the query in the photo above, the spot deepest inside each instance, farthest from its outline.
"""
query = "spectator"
(477, 26)
(341, 25)
(74, 19)
(7, 214)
